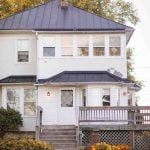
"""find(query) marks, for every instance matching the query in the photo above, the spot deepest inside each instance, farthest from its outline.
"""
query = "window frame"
(22, 50)
(99, 46)
(107, 95)
(28, 88)
(69, 88)
(49, 56)
(114, 46)
(66, 46)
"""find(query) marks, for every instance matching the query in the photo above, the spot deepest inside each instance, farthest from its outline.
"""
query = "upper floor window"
(23, 51)
(48, 51)
(115, 46)
(67, 45)
(98, 46)
(106, 97)
(83, 46)
(49, 47)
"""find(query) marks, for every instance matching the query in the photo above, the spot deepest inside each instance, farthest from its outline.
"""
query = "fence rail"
(134, 115)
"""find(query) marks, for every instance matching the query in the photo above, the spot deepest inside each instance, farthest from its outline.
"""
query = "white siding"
(48, 67)
(8, 63)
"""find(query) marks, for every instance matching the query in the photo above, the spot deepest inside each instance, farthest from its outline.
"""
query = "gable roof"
(50, 17)
(19, 79)
(83, 77)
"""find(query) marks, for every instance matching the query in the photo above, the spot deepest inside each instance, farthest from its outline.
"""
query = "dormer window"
(115, 46)
(83, 46)
(98, 46)
(66, 46)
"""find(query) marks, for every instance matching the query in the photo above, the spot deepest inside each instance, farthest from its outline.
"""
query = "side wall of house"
(8, 55)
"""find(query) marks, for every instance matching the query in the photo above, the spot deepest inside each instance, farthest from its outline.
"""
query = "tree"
(10, 120)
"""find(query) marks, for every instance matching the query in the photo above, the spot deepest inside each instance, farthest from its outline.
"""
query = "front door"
(66, 107)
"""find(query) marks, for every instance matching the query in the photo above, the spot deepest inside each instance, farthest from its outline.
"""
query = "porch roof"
(83, 77)
(19, 79)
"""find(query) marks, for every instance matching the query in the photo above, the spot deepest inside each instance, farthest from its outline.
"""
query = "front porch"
(115, 125)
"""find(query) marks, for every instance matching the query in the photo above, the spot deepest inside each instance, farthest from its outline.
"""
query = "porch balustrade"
(117, 115)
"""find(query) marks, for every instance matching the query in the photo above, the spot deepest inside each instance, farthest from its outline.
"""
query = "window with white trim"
(66, 98)
(13, 98)
(67, 45)
(115, 46)
(49, 51)
(98, 45)
(106, 97)
(83, 46)
(23, 51)
(29, 102)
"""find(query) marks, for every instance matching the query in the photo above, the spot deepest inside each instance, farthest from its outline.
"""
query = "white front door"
(66, 107)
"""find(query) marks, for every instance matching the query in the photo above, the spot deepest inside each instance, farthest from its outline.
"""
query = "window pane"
(48, 51)
(13, 98)
(98, 41)
(114, 51)
(67, 98)
(29, 95)
(23, 56)
(106, 97)
(67, 41)
(83, 41)
(67, 51)
(114, 41)
(29, 109)
(29, 102)
(83, 51)
(99, 51)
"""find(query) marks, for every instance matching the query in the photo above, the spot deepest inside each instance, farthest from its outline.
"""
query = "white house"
(60, 57)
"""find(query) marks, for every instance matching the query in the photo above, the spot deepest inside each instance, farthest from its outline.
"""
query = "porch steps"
(61, 137)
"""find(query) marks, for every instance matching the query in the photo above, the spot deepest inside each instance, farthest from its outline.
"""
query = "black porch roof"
(83, 77)
(19, 79)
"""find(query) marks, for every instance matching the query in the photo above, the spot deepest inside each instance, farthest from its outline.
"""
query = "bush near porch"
(24, 144)
(105, 146)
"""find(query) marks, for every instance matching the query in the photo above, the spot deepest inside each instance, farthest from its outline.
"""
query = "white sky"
(141, 42)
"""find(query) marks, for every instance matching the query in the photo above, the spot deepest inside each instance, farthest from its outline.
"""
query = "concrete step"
(61, 137)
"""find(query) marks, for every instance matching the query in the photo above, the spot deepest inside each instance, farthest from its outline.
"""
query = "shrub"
(10, 120)
(105, 146)
(24, 144)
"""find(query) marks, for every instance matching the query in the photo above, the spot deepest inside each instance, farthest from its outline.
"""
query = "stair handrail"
(38, 121)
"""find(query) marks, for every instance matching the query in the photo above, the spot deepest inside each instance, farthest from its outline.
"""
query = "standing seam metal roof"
(50, 16)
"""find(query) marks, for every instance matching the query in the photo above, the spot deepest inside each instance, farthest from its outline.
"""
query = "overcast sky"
(141, 42)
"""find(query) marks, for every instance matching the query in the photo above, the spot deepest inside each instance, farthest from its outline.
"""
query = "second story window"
(98, 46)
(115, 46)
(67, 45)
(23, 51)
(48, 51)
(83, 46)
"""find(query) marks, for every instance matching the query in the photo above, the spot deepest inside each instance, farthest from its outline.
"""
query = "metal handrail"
(38, 121)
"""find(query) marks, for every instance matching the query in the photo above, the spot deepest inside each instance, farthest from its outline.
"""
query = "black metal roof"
(19, 79)
(83, 77)
(50, 17)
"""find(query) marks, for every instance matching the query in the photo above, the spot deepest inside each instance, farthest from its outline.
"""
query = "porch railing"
(38, 122)
(119, 115)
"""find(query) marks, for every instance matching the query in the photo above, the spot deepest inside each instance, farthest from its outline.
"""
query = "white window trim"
(16, 52)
